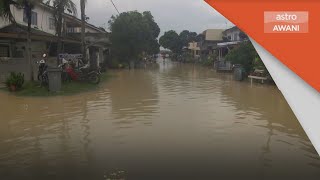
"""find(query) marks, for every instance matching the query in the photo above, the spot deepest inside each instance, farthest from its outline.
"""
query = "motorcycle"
(65, 77)
(42, 72)
(83, 73)
(89, 75)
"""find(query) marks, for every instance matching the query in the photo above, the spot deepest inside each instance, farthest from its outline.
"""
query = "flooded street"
(172, 121)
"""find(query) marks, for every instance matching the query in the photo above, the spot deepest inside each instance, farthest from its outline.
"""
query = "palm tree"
(60, 6)
(83, 21)
(5, 11)
(29, 5)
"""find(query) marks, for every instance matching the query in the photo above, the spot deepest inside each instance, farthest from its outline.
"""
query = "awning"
(17, 31)
(225, 44)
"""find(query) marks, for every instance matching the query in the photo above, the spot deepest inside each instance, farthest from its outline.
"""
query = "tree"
(171, 40)
(186, 37)
(28, 5)
(153, 48)
(133, 33)
(200, 37)
(245, 55)
(243, 36)
(83, 22)
(5, 10)
(59, 8)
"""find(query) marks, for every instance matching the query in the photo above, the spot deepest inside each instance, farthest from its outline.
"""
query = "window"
(34, 18)
(52, 25)
(71, 30)
(236, 37)
(4, 50)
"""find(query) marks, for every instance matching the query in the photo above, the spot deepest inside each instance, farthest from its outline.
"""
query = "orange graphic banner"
(289, 30)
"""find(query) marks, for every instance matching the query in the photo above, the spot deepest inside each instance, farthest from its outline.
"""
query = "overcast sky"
(193, 15)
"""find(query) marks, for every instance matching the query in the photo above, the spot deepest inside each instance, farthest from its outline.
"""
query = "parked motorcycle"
(84, 73)
(65, 77)
(42, 72)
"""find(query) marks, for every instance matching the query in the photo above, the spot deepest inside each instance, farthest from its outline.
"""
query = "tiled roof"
(18, 28)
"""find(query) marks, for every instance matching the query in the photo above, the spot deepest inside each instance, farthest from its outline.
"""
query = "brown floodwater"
(169, 121)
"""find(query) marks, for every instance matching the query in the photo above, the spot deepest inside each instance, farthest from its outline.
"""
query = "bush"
(208, 60)
(115, 63)
(15, 79)
(245, 55)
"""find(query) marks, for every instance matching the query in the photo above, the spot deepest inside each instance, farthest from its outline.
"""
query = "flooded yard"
(171, 121)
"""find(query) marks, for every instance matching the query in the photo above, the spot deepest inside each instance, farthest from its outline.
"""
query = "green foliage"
(116, 63)
(15, 79)
(242, 35)
(186, 37)
(171, 40)
(175, 42)
(132, 34)
(208, 60)
(33, 89)
(153, 48)
(245, 55)
(60, 6)
(258, 64)
(5, 10)
(200, 37)
(189, 59)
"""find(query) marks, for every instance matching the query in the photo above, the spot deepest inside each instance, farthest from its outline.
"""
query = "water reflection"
(134, 96)
(275, 116)
(172, 121)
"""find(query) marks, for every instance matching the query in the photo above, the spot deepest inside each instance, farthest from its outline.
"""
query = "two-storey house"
(44, 39)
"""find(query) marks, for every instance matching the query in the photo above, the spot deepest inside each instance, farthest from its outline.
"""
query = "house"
(209, 40)
(44, 40)
(233, 34)
(232, 37)
(194, 49)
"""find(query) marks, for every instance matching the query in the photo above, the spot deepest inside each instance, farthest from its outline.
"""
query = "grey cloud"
(193, 15)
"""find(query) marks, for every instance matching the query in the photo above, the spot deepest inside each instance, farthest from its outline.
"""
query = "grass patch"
(32, 89)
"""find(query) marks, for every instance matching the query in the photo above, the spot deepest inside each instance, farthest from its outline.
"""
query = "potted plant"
(15, 81)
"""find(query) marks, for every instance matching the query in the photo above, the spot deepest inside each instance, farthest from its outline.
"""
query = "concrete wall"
(8, 65)
(193, 46)
(13, 65)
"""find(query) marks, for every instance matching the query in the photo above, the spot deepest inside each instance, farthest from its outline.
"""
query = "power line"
(115, 6)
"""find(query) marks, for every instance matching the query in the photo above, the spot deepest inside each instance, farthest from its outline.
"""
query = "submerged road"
(168, 121)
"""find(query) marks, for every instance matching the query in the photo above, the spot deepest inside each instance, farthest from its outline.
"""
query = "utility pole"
(83, 21)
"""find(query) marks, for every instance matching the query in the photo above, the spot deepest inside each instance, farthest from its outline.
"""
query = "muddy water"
(166, 122)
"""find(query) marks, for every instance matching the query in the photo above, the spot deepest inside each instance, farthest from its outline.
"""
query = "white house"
(44, 39)
(194, 49)
(233, 34)
(43, 20)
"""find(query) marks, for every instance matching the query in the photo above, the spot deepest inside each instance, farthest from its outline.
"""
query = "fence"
(223, 65)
